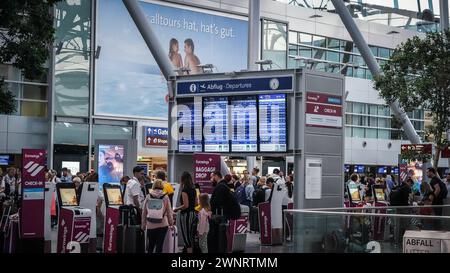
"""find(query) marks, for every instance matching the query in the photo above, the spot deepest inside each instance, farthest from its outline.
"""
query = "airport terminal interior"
(224, 126)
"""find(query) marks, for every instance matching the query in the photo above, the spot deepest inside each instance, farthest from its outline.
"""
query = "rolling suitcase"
(130, 236)
(254, 219)
(171, 241)
(11, 237)
(217, 235)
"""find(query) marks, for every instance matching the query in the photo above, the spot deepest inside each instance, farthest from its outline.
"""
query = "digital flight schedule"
(215, 124)
(189, 120)
(244, 133)
(272, 123)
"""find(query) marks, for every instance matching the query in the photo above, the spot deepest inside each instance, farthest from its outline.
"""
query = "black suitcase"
(254, 219)
(217, 235)
(130, 236)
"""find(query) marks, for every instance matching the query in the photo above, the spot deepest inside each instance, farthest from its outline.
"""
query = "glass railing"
(380, 229)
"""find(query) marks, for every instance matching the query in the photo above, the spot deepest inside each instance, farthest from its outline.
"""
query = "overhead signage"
(282, 83)
(272, 123)
(323, 110)
(215, 124)
(244, 126)
(155, 136)
(189, 126)
(417, 148)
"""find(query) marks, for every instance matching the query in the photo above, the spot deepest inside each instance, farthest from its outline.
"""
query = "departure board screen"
(272, 123)
(189, 122)
(244, 128)
(215, 124)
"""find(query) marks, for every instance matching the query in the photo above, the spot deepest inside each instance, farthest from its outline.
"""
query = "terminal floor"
(252, 246)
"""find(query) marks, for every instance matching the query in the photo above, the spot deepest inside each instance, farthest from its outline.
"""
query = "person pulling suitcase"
(157, 217)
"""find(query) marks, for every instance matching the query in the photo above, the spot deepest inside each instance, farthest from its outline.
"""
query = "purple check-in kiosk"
(271, 217)
(74, 222)
(113, 200)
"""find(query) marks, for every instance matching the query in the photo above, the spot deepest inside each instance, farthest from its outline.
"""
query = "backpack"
(155, 209)
(241, 196)
(259, 196)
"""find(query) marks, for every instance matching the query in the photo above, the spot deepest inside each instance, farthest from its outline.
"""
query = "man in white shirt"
(133, 193)
(10, 179)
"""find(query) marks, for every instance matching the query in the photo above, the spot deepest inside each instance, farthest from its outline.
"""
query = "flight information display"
(189, 123)
(244, 128)
(215, 124)
(272, 123)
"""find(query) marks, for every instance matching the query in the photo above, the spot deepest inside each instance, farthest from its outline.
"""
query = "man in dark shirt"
(218, 202)
(436, 185)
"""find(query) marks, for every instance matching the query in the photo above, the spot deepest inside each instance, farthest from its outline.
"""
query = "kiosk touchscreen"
(354, 194)
(113, 200)
(74, 223)
(378, 192)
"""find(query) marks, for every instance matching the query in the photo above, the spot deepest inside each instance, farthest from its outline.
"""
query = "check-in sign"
(323, 110)
(155, 136)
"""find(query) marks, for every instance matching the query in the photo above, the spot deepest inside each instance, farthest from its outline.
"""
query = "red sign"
(323, 110)
(33, 186)
(205, 164)
(417, 148)
(320, 109)
(446, 152)
(265, 225)
(110, 236)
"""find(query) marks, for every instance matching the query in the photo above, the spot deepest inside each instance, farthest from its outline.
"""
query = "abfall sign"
(33, 186)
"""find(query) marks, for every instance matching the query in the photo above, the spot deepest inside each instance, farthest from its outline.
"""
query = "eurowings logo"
(33, 168)
(82, 237)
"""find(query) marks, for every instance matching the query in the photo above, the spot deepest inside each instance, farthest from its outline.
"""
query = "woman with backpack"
(187, 211)
(157, 216)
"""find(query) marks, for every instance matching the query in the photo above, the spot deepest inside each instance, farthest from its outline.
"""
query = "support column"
(254, 31)
(368, 57)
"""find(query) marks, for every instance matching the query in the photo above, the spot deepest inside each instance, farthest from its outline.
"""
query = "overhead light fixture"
(67, 124)
(264, 62)
(126, 130)
(207, 68)
(315, 16)
(182, 70)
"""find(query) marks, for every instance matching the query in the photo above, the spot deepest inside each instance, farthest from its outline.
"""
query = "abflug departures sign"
(232, 122)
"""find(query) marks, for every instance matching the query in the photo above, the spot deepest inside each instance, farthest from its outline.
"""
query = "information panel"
(215, 124)
(244, 124)
(189, 120)
(272, 123)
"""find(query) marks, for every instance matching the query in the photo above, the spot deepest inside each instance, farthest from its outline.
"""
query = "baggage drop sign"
(205, 164)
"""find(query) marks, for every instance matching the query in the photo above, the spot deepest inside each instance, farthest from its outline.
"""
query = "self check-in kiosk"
(88, 200)
(74, 222)
(271, 217)
(48, 199)
(380, 201)
(354, 195)
(113, 200)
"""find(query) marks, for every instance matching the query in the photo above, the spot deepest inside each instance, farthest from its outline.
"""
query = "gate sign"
(205, 164)
(323, 110)
(33, 186)
(417, 148)
(155, 136)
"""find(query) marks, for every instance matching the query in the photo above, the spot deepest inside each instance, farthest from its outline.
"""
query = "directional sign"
(417, 148)
(155, 136)
(279, 83)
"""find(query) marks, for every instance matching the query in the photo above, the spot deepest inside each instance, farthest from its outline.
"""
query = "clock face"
(274, 84)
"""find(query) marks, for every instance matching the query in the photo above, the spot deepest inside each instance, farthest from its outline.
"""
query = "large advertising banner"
(205, 164)
(128, 80)
(33, 186)
(110, 163)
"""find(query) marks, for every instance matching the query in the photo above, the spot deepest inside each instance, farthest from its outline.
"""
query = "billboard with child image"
(128, 80)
